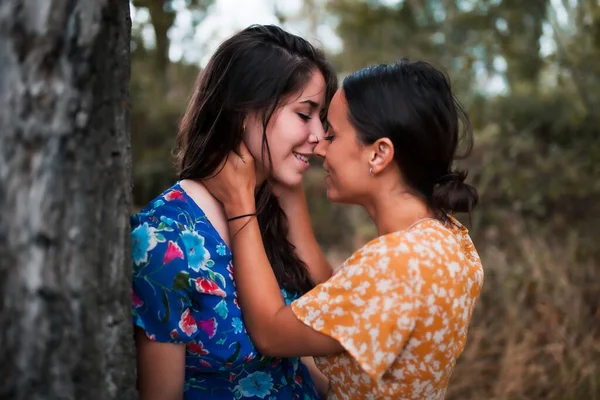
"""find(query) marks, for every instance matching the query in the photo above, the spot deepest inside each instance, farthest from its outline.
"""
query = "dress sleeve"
(162, 304)
(370, 305)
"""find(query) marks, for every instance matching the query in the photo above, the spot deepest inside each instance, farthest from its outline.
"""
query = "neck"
(395, 210)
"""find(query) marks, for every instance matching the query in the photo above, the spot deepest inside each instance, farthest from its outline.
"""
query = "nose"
(314, 139)
(321, 149)
(317, 131)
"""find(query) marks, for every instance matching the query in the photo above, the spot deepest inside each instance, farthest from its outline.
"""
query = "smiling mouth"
(301, 157)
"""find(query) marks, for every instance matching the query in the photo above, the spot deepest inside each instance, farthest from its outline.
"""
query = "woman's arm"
(301, 234)
(161, 368)
(272, 325)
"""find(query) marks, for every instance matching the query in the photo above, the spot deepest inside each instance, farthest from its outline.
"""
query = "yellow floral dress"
(401, 307)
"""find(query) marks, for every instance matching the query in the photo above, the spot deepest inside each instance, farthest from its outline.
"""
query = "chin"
(331, 196)
(335, 197)
(290, 180)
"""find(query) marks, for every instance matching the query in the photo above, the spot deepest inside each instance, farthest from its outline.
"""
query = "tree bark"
(65, 201)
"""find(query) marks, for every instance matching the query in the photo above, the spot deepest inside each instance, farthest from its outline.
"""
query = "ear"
(382, 154)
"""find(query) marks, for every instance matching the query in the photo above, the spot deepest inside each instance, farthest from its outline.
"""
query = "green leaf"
(161, 226)
(160, 237)
(221, 341)
(235, 354)
(215, 276)
(167, 308)
(211, 275)
(181, 281)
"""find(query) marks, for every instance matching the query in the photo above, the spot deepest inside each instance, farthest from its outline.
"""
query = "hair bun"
(451, 194)
(453, 176)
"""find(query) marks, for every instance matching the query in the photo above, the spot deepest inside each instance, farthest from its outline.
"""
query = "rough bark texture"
(65, 199)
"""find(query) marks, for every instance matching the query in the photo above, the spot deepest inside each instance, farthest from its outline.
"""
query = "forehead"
(338, 107)
(313, 91)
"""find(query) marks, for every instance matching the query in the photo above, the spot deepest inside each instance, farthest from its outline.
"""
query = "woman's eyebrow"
(313, 105)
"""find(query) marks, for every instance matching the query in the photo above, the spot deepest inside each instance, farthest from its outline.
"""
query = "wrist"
(241, 216)
(234, 209)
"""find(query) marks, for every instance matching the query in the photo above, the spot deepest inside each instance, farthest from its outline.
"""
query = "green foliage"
(537, 150)
(155, 116)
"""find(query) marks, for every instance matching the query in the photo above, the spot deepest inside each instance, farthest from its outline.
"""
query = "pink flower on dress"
(207, 286)
(174, 334)
(173, 252)
(204, 363)
(173, 195)
(209, 326)
(137, 302)
(187, 323)
(197, 348)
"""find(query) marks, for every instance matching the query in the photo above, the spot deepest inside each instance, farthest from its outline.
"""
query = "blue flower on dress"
(158, 203)
(289, 297)
(237, 325)
(221, 309)
(221, 249)
(197, 255)
(167, 220)
(143, 239)
(257, 384)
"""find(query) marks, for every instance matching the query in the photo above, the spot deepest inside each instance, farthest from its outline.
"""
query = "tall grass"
(535, 332)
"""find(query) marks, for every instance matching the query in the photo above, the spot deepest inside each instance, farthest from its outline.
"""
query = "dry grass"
(535, 333)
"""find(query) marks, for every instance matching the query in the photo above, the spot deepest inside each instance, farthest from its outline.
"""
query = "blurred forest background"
(528, 72)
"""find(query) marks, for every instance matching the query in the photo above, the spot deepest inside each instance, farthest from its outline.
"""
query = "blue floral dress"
(184, 292)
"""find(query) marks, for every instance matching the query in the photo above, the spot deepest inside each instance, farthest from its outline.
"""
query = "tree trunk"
(65, 200)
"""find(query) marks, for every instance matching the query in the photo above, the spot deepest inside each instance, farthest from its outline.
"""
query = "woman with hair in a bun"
(391, 323)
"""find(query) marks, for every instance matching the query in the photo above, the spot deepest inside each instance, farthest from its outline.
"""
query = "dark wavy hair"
(251, 72)
(412, 104)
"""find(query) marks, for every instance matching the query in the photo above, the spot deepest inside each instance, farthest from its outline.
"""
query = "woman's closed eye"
(329, 133)
(304, 117)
